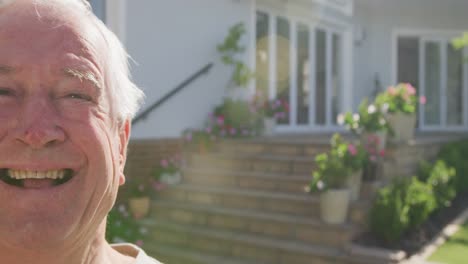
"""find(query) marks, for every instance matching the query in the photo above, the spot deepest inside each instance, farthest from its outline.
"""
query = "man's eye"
(80, 96)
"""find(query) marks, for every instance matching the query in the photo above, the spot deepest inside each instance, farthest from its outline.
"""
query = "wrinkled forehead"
(39, 30)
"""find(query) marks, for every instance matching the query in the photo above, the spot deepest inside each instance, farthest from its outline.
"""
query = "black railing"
(144, 114)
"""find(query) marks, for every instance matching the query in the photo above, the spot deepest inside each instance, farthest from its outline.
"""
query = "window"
(437, 70)
(301, 63)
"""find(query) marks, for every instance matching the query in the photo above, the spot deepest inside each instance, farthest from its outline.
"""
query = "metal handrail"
(144, 114)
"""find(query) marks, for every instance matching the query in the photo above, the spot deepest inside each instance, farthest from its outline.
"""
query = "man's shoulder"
(135, 252)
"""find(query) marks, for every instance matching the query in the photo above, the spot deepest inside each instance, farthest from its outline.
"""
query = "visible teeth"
(23, 174)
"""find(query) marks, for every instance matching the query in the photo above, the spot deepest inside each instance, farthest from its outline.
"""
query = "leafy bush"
(454, 154)
(420, 199)
(442, 179)
(389, 215)
(122, 227)
(404, 204)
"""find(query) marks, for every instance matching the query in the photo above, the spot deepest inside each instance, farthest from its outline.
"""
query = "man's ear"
(124, 135)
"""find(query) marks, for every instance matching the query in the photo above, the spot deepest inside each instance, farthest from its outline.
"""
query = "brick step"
(172, 255)
(278, 226)
(274, 202)
(268, 181)
(273, 146)
(232, 244)
(254, 162)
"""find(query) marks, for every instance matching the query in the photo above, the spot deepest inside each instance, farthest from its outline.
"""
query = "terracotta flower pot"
(139, 206)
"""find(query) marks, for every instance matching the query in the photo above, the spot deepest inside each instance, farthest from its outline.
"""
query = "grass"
(455, 249)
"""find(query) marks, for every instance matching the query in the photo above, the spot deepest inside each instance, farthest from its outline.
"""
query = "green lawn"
(455, 249)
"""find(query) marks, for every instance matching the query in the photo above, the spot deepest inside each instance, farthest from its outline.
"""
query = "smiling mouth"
(35, 179)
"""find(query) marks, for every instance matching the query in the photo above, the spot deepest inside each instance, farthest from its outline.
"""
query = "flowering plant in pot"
(401, 101)
(138, 190)
(331, 178)
(271, 110)
(169, 170)
(369, 120)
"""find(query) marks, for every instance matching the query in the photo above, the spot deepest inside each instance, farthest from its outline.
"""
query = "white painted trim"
(116, 18)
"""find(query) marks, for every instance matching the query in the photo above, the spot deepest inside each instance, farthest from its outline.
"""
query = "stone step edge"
(313, 198)
(257, 157)
(253, 174)
(279, 244)
(191, 255)
(284, 218)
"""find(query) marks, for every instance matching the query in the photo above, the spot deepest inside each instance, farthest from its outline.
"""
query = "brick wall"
(144, 155)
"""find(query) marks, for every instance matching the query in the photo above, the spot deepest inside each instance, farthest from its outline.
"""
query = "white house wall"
(170, 40)
(379, 19)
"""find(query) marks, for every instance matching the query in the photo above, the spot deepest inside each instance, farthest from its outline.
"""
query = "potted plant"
(273, 111)
(169, 170)
(331, 179)
(139, 190)
(369, 122)
(401, 101)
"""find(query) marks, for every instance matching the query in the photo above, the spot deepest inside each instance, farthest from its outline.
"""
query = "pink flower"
(410, 89)
(352, 149)
(158, 186)
(139, 243)
(391, 91)
(422, 100)
(220, 120)
(208, 130)
(382, 153)
(373, 158)
(164, 163)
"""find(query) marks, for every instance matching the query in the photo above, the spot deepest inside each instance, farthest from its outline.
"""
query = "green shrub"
(420, 199)
(454, 154)
(389, 215)
(404, 204)
(442, 179)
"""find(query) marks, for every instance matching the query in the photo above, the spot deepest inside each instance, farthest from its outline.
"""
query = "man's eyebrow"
(82, 75)
(4, 69)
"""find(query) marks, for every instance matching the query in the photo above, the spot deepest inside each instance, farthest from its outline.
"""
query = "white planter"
(170, 178)
(354, 183)
(269, 125)
(334, 206)
(381, 135)
(403, 125)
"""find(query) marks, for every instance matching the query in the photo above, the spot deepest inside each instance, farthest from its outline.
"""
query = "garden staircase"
(244, 203)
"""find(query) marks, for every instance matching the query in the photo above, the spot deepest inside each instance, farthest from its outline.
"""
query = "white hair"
(125, 96)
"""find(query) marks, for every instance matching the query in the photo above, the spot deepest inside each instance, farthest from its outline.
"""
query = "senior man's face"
(61, 150)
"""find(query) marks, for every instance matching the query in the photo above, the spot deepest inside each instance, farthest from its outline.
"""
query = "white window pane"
(303, 74)
(262, 53)
(282, 60)
(454, 86)
(320, 77)
(336, 77)
(432, 83)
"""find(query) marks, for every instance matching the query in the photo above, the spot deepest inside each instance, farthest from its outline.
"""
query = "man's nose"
(38, 124)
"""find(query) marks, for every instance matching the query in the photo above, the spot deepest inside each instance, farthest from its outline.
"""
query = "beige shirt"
(136, 252)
